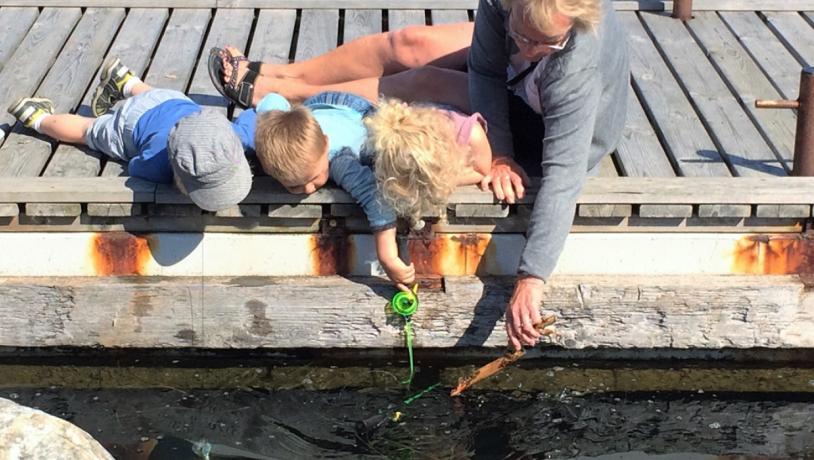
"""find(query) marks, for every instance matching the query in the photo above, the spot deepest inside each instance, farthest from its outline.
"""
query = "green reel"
(405, 303)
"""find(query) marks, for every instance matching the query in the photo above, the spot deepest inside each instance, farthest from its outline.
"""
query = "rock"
(33, 434)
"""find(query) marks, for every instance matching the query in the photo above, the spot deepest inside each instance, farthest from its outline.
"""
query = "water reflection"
(293, 424)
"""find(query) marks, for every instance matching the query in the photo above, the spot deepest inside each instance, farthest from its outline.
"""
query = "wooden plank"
(65, 84)
(677, 312)
(249, 210)
(229, 27)
(14, 24)
(597, 190)
(678, 190)
(740, 142)
(640, 153)
(134, 45)
(9, 210)
(438, 16)
(360, 23)
(302, 211)
(773, 58)
(607, 168)
(725, 210)
(665, 210)
(619, 5)
(399, 19)
(318, 33)
(83, 190)
(747, 81)
(795, 33)
(31, 61)
(273, 36)
(114, 210)
(173, 62)
(783, 210)
(686, 139)
(482, 210)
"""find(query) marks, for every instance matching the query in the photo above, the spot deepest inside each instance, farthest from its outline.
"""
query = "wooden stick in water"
(497, 365)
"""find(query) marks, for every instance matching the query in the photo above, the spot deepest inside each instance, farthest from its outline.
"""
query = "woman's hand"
(523, 312)
(507, 178)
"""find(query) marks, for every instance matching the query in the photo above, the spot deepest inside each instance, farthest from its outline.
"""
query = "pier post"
(804, 137)
(682, 9)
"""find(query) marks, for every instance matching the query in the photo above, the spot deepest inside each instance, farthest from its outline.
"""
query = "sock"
(127, 90)
(38, 121)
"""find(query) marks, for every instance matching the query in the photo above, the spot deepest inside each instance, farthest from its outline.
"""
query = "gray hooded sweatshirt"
(583, 94)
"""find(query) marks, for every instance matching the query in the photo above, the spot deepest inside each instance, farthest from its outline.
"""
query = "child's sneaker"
(29, 109)
(113, 77)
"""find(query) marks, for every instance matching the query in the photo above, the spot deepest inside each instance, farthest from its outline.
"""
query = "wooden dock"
(694, 236)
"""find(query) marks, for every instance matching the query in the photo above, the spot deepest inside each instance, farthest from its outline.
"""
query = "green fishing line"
(406, 304)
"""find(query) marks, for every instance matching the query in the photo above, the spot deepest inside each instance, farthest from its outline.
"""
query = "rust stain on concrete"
(119, 254)
(774, 255)
(447, 254)
(331, 254)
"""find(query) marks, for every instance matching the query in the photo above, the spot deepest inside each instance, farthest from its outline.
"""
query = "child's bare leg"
(139, 88)
(66, 127)
(444, 45)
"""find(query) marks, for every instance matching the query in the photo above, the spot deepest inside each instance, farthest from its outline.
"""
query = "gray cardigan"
(583, 93)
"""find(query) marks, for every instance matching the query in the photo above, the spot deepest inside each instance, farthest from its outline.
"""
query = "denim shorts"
(353, 101)
(112, 133)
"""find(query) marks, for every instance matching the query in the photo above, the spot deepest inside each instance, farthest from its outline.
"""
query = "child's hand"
(399, 272)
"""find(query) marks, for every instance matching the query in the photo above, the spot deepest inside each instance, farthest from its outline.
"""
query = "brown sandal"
(240, 92)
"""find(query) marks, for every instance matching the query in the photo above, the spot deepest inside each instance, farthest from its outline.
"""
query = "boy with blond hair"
(304, 146)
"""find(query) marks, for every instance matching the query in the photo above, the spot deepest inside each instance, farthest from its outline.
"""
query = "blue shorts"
(112, 133)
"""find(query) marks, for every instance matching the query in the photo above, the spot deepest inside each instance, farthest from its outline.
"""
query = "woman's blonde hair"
(288, 143)
(417, 157)
(586, 13)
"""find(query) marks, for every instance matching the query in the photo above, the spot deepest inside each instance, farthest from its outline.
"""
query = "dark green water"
(298, 412)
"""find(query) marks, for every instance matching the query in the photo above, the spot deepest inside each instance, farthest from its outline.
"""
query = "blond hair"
(417, 157)
(288, 143)
(586, 14)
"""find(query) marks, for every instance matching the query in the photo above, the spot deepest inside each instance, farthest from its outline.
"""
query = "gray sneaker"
(29, 109)
(112, 79)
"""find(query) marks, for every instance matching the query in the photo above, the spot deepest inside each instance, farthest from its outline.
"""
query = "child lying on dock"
(421, 154)
(305, 145)
(161, 134)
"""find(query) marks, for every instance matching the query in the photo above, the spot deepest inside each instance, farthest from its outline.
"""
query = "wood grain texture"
(318, 33)
(619, 5)
(740, 142)
(597, 311)
(31, 60)
(745, 78)
(14, 24)
(597, 190)
(664, 100)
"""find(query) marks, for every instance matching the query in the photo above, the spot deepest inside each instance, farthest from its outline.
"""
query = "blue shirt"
(152, 131)
(340, 116)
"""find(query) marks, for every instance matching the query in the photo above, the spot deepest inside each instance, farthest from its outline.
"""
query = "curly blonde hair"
(586, 13)
(417, 157)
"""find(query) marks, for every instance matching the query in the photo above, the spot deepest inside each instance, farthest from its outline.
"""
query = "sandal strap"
(255, 66)
(245, 89)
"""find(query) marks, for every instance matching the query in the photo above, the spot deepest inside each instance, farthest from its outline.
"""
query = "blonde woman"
(550, 76)
(423, 153)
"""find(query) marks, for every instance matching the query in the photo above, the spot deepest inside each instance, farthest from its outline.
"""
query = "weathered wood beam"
(597, 190)
(678, 312)
(622, 5)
